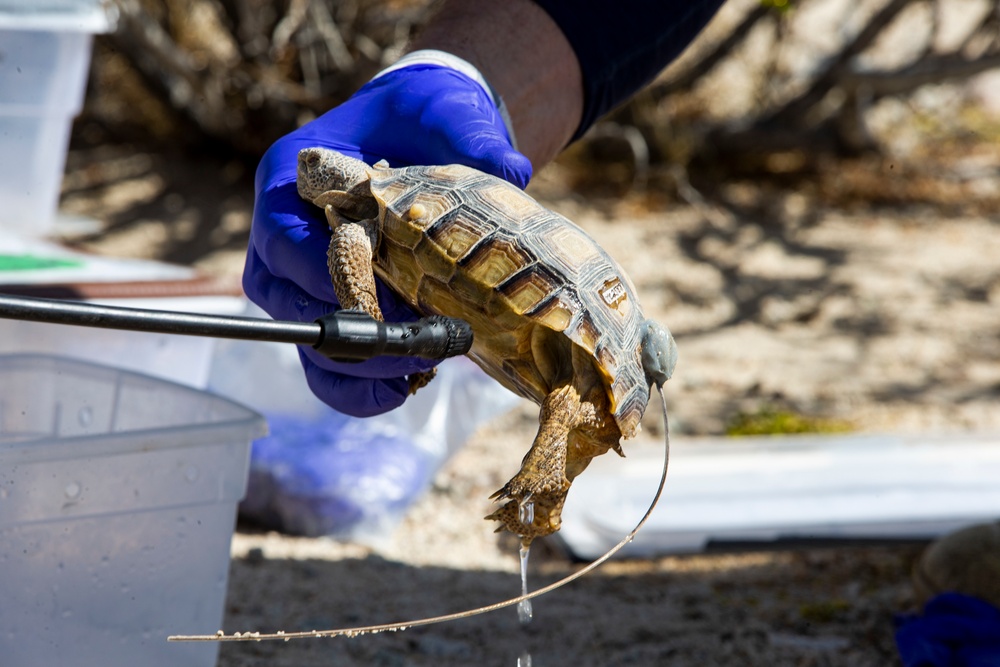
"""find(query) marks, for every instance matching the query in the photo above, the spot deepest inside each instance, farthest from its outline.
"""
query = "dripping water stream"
(524, 610)
(526, 511)
(526, 514)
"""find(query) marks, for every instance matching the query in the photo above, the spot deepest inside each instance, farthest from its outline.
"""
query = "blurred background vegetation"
(775, 89)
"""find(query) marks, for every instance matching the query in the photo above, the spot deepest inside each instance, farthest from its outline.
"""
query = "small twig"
(935, 32)
(690, 194)
(289, 24)
(769, 79)
(796, 109)
(989, 23)
(334, 41)
(310, 71)
(933, 69)
(637, 144)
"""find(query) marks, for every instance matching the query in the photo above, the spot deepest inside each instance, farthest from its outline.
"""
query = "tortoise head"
(323, 169)
(659, 352)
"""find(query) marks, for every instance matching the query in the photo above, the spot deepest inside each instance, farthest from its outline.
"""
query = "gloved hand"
(420, 114)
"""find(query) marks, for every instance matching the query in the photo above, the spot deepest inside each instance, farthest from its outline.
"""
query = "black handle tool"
(343, 335)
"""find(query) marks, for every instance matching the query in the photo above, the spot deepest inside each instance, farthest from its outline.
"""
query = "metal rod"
(342, 335)
(55, 311)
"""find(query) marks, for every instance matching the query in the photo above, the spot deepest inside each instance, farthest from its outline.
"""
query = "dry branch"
(791, 124)
(795, 111)
(722, 50)
(930, 70)
(279, 61)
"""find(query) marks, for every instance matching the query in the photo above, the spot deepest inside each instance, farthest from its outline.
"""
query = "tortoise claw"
(528, 515)
(418, 381)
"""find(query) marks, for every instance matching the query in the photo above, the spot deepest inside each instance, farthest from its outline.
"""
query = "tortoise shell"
(531, 283)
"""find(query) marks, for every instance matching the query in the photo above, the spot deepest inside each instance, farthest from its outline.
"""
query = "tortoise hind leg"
(542, 480)
(349, 259)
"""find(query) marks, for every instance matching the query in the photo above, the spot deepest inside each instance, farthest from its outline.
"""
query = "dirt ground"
(880, 314)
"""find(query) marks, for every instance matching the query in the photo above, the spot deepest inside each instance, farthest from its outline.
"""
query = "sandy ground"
(882, 316)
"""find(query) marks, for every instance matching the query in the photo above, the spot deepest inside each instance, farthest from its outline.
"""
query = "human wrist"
(525, 57)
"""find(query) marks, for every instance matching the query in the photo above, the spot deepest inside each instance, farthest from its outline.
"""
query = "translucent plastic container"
(44, 60)
(118, 496)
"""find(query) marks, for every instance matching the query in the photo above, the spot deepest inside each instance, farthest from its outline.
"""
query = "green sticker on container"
(35, 263)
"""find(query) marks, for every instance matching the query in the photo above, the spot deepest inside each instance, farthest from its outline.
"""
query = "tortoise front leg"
(349, 259)
(542, 480)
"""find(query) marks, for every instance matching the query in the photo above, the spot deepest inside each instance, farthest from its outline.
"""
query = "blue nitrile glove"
(423, 113)
(954, 630)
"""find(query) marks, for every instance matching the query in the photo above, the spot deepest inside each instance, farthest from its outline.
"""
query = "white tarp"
(766, 489)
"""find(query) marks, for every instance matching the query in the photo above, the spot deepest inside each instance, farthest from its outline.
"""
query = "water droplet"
(526, 511)
(524, 660)
(4, 493)
(85, 416)
(524, 610)
(191, 474)
(72, 491)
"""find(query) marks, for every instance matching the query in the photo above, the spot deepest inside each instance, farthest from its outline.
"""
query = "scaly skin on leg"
(575, 425)
(564, 445)
(419, 380)
(350, 262)
(591, 441)
(349, 259)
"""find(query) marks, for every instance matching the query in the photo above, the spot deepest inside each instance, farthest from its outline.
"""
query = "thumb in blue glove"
(420, 113)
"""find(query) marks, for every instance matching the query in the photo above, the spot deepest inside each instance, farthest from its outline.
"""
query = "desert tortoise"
(555, 319)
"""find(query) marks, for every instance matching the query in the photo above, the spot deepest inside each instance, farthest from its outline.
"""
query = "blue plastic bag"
(320, 472)
(333, 476)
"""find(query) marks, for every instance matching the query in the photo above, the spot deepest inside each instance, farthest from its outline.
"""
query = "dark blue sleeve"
(622, 46)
